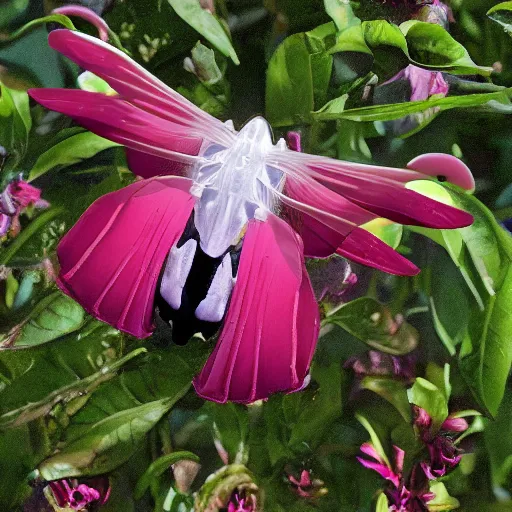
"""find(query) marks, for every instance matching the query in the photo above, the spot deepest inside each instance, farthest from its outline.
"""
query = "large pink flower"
(200, 238)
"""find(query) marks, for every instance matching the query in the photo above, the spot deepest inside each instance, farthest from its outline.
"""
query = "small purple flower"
(16, 197)
(437, 12)
(374, 363)
(443, 453)
(70, 493)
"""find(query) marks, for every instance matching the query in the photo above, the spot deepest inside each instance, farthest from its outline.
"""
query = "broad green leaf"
(371, 322)
(431, 46)
(158, 467)
(66, 394)
(442, 500)
(486, 352)
(502, 14)
(70, 151)
(426, 395)
(15, 123)
(289, 93)
(55, 316)
(499, 446)
(107, 444)
(391, 390)
(399, 110)
(206, 24)
(382, 33)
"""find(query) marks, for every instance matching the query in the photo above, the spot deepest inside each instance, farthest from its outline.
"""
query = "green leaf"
(382, 503)
(107, 444)
(158, 467)
(88, 81)
(289, 93)
(442, 500)
(382, 33)
(53, 317)
(431, 46)
(374, 438)
(206, 24)
(426, 395)
(66, 394)
(15, 123)
(389, 232)
(392, 391)
(371, 322)
(398, 110)
(205, 65)
(502, 14)
(70, 151)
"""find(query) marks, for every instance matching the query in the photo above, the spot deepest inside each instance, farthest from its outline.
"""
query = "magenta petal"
(111, 259)
(368, 449)
(271, 328)
(87, 15)
(440, 164)
(455, 425)
(382, 469)
(134, 83)
(365, 248)
(149, 166)
(117, 120)
(399, 458)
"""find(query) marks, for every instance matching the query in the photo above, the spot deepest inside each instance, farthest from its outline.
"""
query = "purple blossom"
(443, 452)
(75, 495)
(374, 363)
(16, 197)
(404, 495)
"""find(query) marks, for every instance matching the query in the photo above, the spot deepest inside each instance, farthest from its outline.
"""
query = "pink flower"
(443, 452)
(200, 237)
(16, 197)
(306, 487)
(75, 495)
(242, 502)
(404, 495)
(87, 15)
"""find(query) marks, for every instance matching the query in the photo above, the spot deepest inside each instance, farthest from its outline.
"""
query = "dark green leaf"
(55, 316)
(107, 444)
(371, 322)
(70, 151)
(392, 391)
(289, 94)
(206, 24)
(502, 14)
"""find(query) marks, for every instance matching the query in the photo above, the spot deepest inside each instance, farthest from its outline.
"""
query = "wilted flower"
(409, 495)
(443, 452)
(375, 363)
(17, 196)
(200, 237)
(307, 487)
(78, 495)
(435, 12)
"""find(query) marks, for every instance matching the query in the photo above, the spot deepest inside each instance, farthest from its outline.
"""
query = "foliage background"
(112, 405)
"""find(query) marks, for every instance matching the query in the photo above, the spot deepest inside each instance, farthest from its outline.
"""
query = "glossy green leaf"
(382, 503)
(371, 322)
(55, 316)
(391, 390)
(502, 14)
(15, 123)
(107, 444)
(206, 24)
(289, 93)
(70, 151)
(442, 500)
(398, 110)
(158, 467)
(429, 397)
